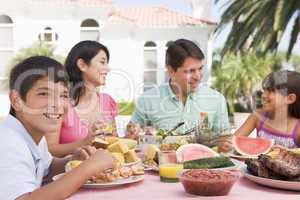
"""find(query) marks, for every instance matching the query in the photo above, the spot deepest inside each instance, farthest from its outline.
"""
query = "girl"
(87, 67)
(279, 119)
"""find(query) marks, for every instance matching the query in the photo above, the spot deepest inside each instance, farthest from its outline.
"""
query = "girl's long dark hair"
(85, 50)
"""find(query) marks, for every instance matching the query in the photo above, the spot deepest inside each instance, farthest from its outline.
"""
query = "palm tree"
(37, 49)
(260, 24)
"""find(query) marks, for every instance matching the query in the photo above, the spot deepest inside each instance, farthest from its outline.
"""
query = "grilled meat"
(257, 168)
(285, 163)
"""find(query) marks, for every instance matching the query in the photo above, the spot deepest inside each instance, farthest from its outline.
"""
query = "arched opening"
(89, 30)
(48, 35)
(6, 43)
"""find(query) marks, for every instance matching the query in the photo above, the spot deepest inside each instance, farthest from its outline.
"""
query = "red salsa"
(207, 182)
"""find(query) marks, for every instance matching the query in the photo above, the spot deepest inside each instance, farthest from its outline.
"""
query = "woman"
(87, 67)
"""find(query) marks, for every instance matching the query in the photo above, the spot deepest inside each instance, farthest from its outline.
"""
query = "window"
(89, 30)
(150, 65)
(48, 35)
(6, 43)
(6, 32)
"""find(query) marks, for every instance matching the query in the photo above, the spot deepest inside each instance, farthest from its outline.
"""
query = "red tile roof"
(81, 2)
(154, 17)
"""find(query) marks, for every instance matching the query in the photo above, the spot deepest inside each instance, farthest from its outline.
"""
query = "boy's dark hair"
(85, 50)
(286, 82)
(25, 74)
(181, 49)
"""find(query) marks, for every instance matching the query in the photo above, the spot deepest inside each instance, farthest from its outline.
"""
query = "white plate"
(242, 157)
(132, 163)
(124, 181)
(150, 168)
(287, 185)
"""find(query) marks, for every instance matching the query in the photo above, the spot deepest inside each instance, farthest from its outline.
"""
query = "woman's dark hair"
(85, 50)
(181, 49)
(286, 82)
(24, 75)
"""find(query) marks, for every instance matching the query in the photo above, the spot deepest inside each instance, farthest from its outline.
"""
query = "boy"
(38, 91)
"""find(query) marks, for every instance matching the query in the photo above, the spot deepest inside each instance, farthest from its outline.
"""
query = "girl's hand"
(99, 126)
(83, 153)
(88, 140)
(224, 144)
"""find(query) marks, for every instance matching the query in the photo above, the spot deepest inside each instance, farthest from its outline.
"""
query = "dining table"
(152, 188)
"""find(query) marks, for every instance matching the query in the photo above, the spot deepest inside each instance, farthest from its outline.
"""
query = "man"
(182, 99)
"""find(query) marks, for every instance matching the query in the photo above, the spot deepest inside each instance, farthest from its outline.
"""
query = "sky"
(183, 6)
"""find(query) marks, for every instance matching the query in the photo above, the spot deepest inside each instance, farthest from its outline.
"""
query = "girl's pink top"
(73, 129)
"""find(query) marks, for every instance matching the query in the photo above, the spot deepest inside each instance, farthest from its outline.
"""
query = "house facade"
(137, 37)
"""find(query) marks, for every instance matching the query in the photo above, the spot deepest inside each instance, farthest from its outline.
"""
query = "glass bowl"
(208, 182)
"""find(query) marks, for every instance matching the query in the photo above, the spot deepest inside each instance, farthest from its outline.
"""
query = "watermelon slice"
(251, 146)
(194, 151)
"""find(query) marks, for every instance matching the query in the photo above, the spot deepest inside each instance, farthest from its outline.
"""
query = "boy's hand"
(100, 161)
(132, 131)
(83, 153)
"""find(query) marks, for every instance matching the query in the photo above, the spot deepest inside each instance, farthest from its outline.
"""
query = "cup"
(169, 167)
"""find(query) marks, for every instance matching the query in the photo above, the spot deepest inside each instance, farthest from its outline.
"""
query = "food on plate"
(152, 152)
(131, 144)
(163, 133)
(279, 164)
(194, 151)
(118, 147)
(100, 143)
(124, 151)
(151, 163)
(296, 151)
(130, 156)
(121, 172)
(72, 165)
(111, 139)
(208, 182)
(151, 156)
(169, 146)
(119, 157)
(126, 172)
(208, 163)
(137, 170)
(251, 146)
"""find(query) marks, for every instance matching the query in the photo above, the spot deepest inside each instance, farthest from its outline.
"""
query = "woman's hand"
(132, 130)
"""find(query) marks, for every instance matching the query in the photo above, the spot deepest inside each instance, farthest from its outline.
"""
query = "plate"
(132, 163)
(240, 157)
(124, 181)
(150, 168)
(286, 185)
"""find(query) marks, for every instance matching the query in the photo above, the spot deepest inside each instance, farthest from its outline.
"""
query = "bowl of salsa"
(208, 182)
